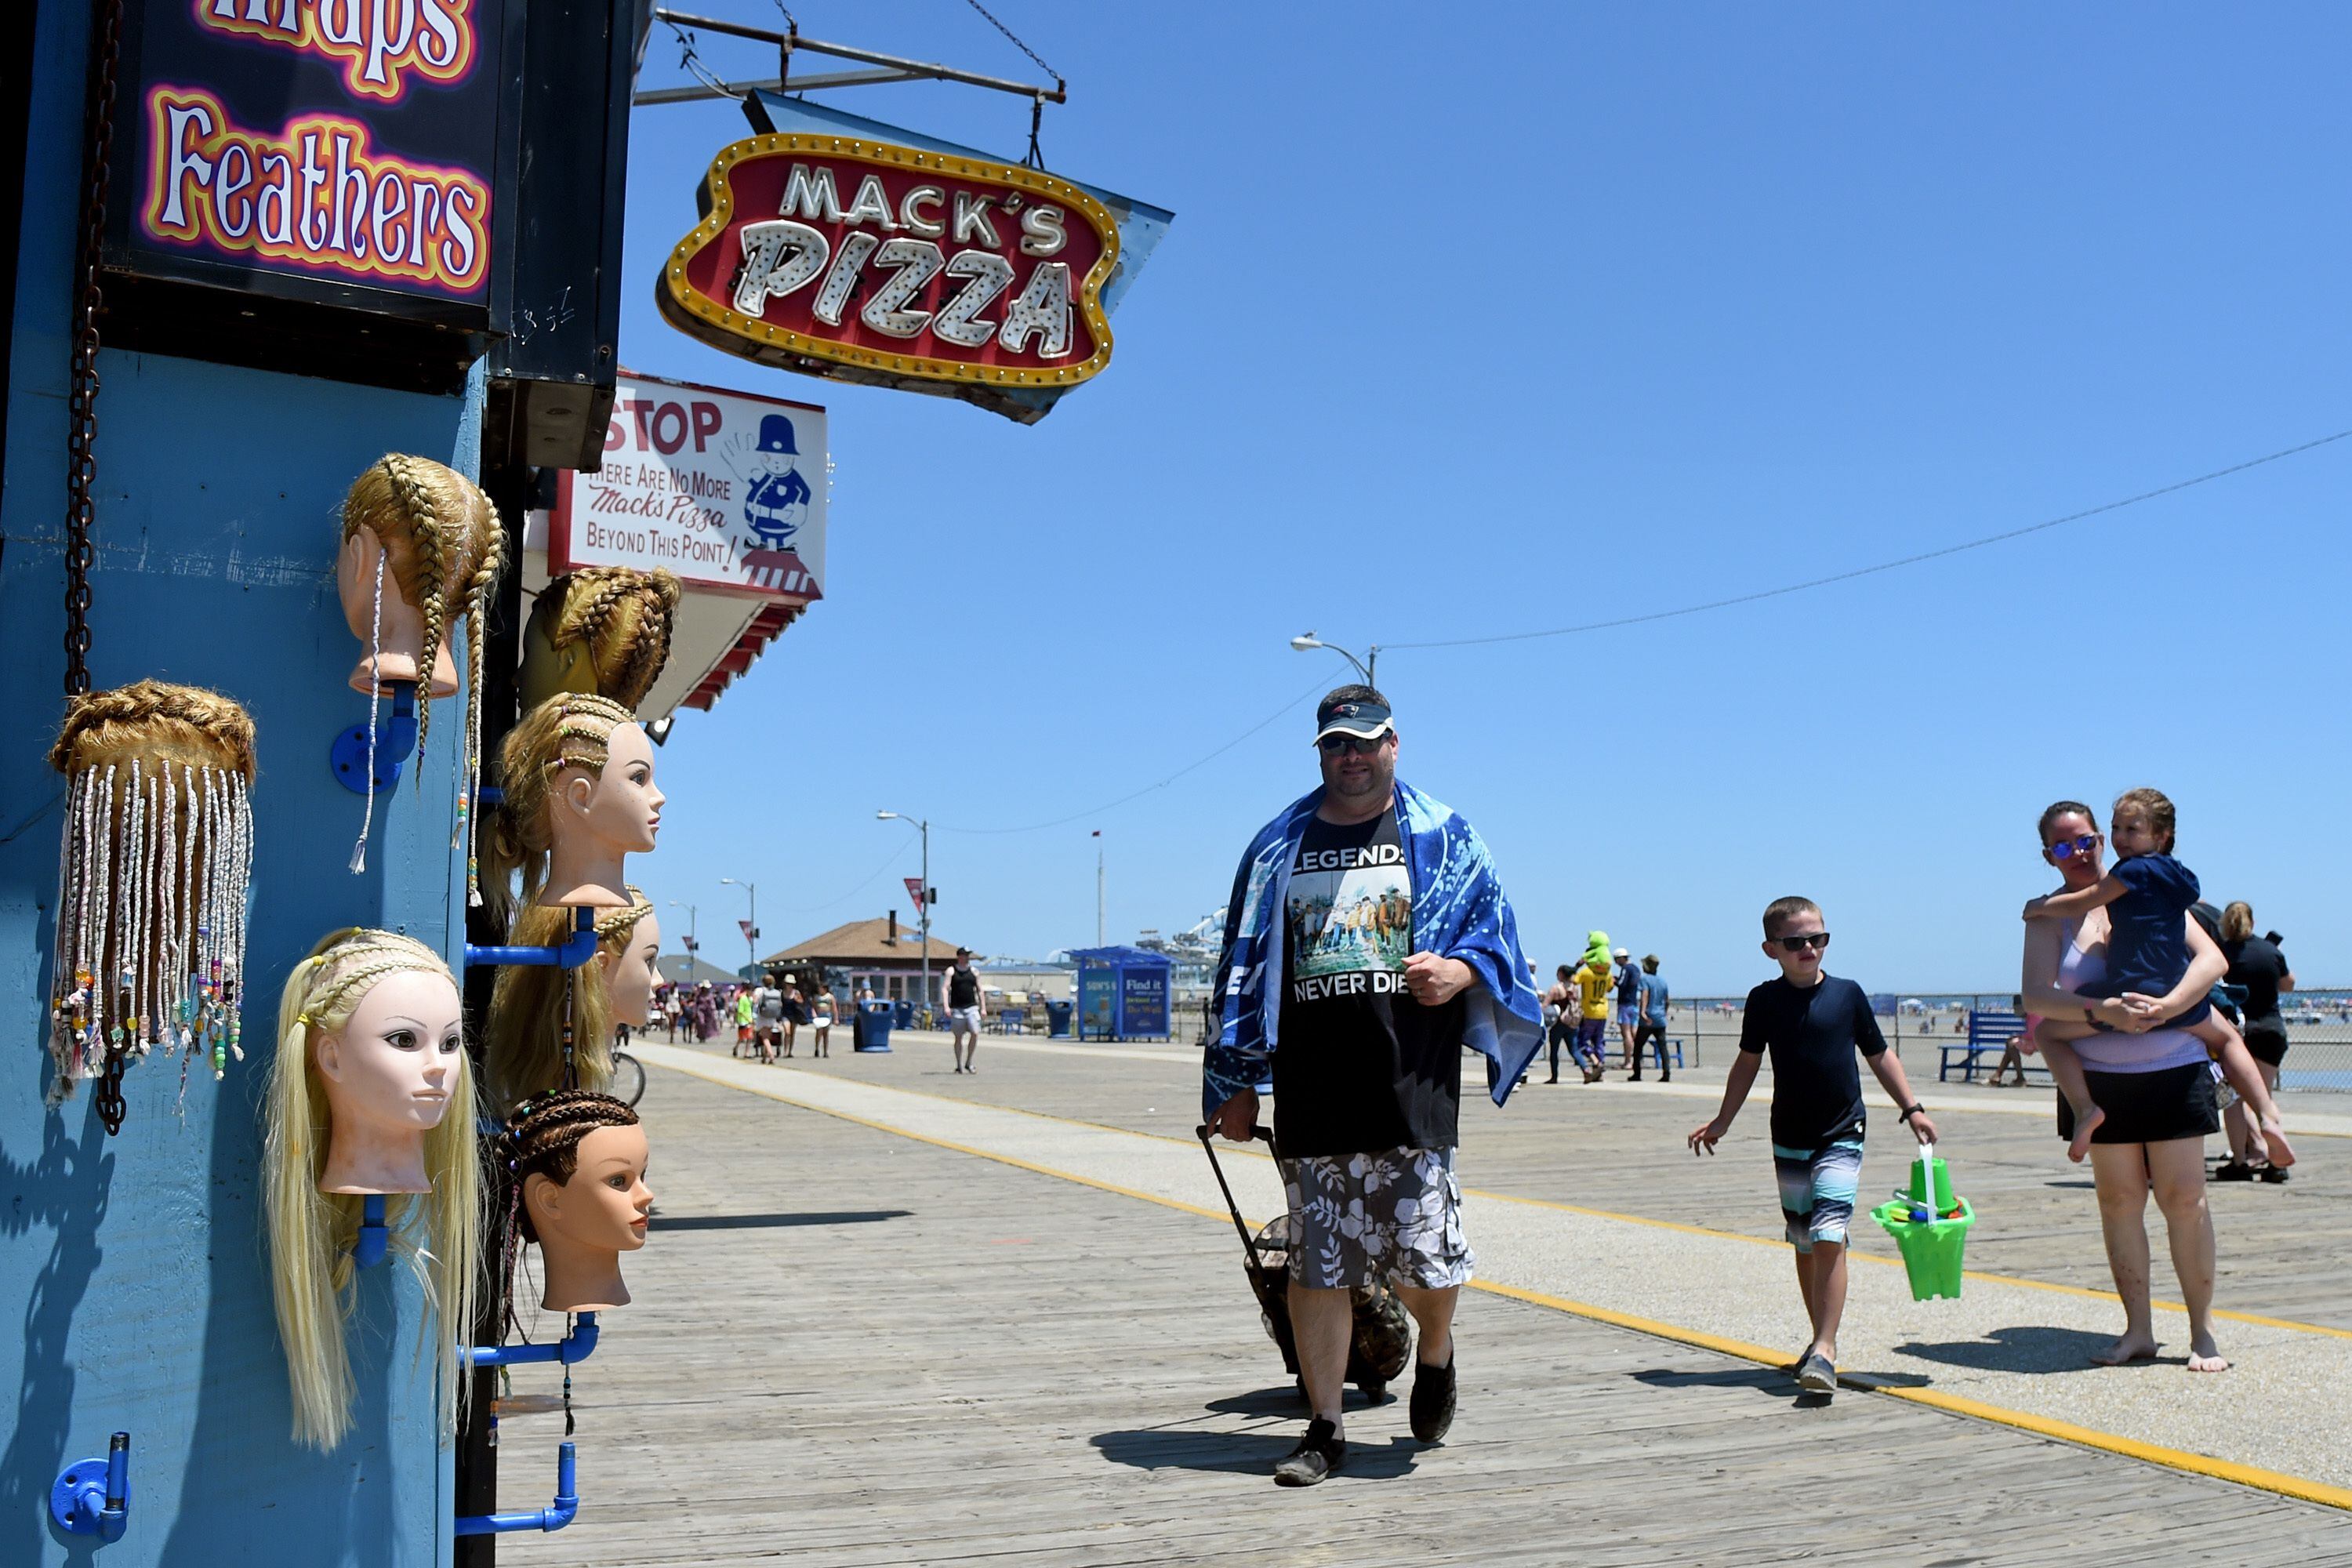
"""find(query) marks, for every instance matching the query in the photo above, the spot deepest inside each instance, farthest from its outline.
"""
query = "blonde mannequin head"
(525, 1054)
(441, 545)
(311, 1233)
(600, 629)
(564, 739)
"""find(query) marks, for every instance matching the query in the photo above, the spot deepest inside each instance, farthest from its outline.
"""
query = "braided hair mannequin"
(311, 1233)
(542, 1149)
(552, 1029)
(603, 629)
(568, 734)
(442, 543)
(152, 880)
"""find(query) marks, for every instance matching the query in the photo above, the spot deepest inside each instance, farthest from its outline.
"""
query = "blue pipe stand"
(394, 740)
(572, 955)
(374, 1240)
(567, 1505)
(570, 1350)
(93, 1496)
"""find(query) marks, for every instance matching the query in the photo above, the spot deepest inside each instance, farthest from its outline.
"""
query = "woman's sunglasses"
(1817, 940)
(2067, 849)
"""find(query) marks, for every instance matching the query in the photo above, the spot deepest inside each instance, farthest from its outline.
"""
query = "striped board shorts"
(1817, 1188)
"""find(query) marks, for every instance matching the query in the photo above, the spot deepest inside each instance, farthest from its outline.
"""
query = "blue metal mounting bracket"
(567, 1505)
(395, 740)
(93, 1496)
(374, 1240)
(572, 955)
(570, 1350)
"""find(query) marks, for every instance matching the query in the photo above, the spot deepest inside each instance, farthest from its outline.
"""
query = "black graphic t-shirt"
(1360, 1066)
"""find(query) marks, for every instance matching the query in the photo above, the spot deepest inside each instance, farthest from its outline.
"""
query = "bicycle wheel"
(628, 1078)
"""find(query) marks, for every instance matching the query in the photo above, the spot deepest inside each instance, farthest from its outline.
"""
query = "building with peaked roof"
(881, 954)
(686, 969)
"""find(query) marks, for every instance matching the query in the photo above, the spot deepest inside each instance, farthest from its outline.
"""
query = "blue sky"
(1730, 297)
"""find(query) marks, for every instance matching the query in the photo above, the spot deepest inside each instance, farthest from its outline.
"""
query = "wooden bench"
(1989, 1032)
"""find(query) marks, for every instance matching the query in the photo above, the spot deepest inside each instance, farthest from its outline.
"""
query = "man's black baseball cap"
(1358, 716)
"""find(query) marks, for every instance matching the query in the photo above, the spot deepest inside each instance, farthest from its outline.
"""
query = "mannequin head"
(379, 1009)
(604, 630)
(578, 773)
(629, 946)
(151, 899)
(525, 1056)
(431, 538)
(578, 1161)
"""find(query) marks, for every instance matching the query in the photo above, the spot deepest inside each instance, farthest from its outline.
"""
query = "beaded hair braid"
(152, 878)
(542, 1138)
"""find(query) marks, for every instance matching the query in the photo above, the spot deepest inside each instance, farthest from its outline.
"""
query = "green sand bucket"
(1931, 1246)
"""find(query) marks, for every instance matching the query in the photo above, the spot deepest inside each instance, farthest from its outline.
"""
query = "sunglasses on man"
(2067, 849)
(1817, 940)
(1333, 745)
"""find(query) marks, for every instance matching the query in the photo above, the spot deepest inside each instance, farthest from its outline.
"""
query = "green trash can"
(1930, 1226)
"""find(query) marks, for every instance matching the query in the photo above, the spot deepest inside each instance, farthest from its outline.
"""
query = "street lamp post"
(1307, 641)
(752, 926)
(693, 926)
(922, 905)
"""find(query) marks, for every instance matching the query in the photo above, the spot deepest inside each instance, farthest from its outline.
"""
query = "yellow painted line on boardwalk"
(2181, 1459)
(2086, 1293)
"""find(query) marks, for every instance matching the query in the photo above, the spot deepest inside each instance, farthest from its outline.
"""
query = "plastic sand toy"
(1930, 1224)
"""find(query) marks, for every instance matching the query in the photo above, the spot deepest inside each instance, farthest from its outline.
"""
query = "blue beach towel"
(1458, 912)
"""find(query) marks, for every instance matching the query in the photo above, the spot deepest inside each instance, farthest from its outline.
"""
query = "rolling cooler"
(1383, 1344)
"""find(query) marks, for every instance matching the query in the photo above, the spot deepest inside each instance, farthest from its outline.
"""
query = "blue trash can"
(905, 1013)
(1057, 1020)
(870, 1030)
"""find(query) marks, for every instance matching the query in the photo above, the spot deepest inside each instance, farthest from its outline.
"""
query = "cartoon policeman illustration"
(775, 497)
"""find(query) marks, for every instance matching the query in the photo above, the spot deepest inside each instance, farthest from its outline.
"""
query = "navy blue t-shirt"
(2147, 938)
(1813, 1034)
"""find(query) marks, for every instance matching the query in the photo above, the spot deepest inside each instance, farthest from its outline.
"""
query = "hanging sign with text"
(840, 256)
(725, 489)
(334, 152)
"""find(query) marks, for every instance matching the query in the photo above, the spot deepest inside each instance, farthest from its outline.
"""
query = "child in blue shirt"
(2148, 895)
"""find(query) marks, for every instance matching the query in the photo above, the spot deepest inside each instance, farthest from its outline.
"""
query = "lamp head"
(1304, 641)
(885, 816)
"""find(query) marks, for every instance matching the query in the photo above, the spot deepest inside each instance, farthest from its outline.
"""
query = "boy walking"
(1813, 1024)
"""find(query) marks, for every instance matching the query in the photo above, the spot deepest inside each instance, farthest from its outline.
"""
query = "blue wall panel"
(134, 1288)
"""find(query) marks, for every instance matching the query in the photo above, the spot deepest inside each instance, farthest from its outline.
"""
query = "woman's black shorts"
(2148, 1107)
(2268, 1045)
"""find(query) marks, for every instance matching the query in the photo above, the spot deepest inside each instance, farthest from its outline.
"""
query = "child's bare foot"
(2125, 1350)
(2204, 1356)
(2085, 1123)
(2274, 1141)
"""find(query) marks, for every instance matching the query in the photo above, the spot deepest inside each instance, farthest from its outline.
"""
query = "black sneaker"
(1433, 1401)
(1319, 1454)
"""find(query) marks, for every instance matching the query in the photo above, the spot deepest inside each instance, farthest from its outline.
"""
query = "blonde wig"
(152, 878)
(552, 1029)
(605, 629)
(444, 546)
(311, 1233)
(571, 729)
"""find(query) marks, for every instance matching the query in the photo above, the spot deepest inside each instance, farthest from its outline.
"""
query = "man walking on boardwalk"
(1367, 941)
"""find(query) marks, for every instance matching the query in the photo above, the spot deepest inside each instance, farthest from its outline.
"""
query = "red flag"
(915, 891)
(749, 934)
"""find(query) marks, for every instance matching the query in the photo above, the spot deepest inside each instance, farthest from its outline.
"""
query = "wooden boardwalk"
(853, 1348)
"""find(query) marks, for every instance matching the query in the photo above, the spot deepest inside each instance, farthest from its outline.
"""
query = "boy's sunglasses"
(1334, 744)
(2067, 849)
(1817, 941)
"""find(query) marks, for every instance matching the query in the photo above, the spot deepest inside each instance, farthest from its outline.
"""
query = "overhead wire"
(1017, 43)
(1809, 582)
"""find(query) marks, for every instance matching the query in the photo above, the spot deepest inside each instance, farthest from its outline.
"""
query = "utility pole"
(693, 928)
(1099, 888)
(752, 926)
(923, 904)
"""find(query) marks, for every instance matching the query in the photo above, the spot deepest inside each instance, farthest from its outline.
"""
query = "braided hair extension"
(541, 1137)
(151, 875)
(311, 1233)
(570, 729)
(477, 599)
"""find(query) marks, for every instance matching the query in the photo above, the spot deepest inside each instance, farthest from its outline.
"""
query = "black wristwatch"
(1910, 1111)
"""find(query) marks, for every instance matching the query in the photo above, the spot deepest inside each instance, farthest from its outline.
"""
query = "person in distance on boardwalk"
(1629, 1004)
(1651, 1030)
(1367, 943)
(1559, 1011)
(1813, 1024)
(963, 1012)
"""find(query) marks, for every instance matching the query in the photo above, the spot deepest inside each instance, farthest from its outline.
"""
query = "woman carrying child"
(2152, 1088)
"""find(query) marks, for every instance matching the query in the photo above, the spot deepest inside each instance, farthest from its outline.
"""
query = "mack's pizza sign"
(871, 262)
